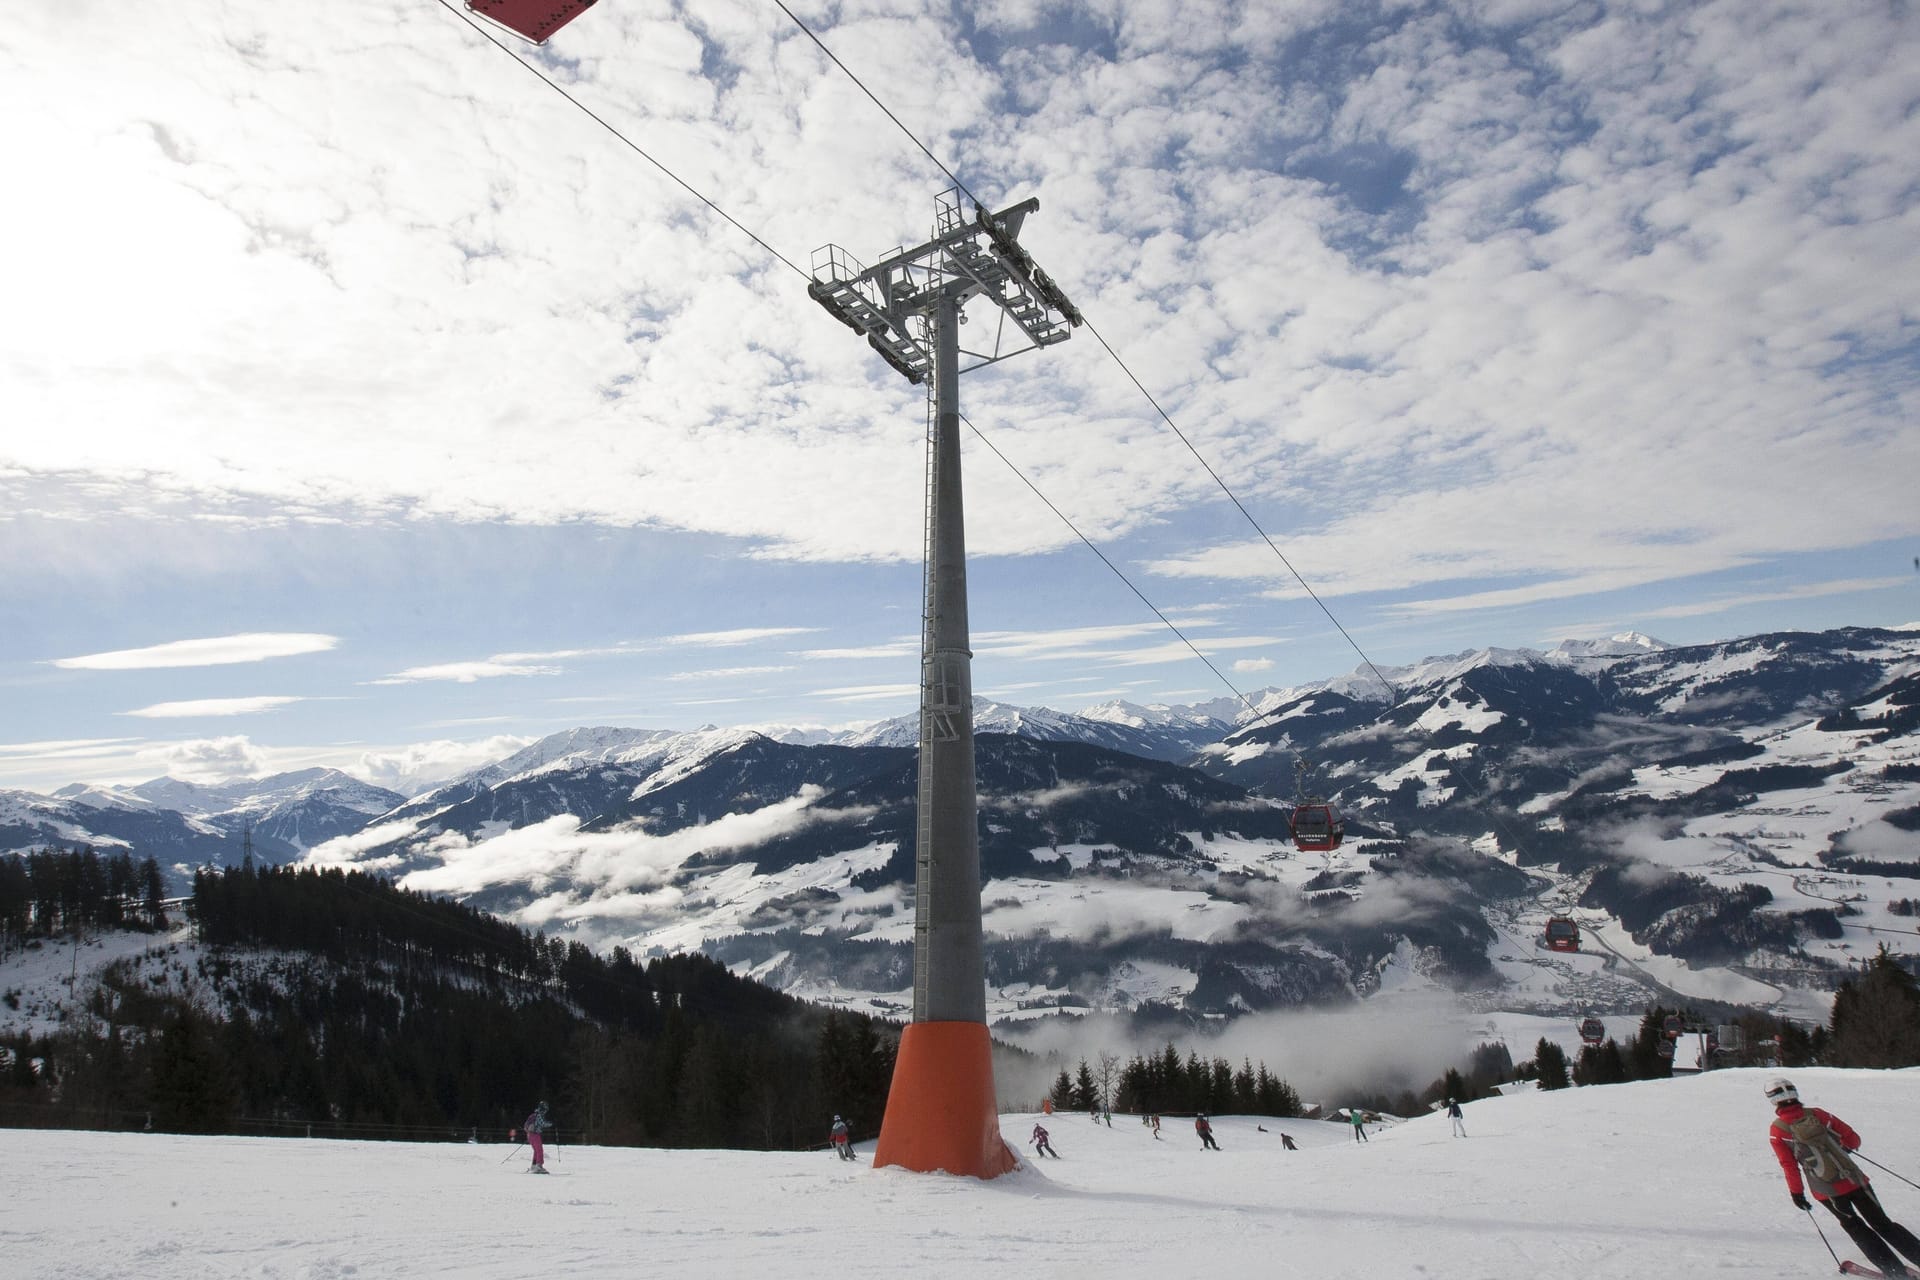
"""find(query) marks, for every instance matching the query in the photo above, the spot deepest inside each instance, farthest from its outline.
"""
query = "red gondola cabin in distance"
(1562, 934)
(1317, 827)
(534, 19)
(1592, 1031)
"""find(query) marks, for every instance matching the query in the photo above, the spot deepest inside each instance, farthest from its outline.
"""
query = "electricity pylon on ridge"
(942, 1112)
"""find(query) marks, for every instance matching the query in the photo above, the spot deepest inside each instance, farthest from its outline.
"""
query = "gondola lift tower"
(942, 1113)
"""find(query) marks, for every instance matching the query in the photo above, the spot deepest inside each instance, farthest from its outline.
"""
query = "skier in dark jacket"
(535, 1125)
(1818, 1144)
(1459, 1121)
(1040, 1144)
(1204, 1127)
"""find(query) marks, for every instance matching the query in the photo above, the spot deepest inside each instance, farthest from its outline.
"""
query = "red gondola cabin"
(1592, 1031)
(1316, 827)
(1562, 934)
(533, 19)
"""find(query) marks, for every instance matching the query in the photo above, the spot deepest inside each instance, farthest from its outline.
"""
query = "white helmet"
(1781, 1092)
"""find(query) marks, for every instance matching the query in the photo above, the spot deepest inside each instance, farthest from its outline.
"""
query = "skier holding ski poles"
(1204, 1127)
(535, 1125)
(1818, 1144)
(842, 1139)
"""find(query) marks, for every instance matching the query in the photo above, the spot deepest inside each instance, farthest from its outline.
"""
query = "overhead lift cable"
(634, 146)
(964, 189)
(914, 138)
(751, 235)
(1024, 479)
(1248, 702)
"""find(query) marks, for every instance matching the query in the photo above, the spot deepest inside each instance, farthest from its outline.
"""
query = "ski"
(1860, 1269)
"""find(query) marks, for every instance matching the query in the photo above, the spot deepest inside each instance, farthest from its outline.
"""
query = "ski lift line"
(1124, 368)
(1241, 507)
(449, 6)
(643, 154)
(1248, 702)
(861, 84)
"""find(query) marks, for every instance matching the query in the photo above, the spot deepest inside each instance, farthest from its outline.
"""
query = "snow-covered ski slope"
(1626, 1182)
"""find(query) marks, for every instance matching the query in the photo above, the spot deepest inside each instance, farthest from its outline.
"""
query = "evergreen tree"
(192, 1089)
(1876, 1017)
(1550, 1064)
(1644, 1059)
(1171, 1083)
(1086, 1095)
(1246, 1097)
(1601, 1064)
(1063, 1092)
(154, 894)
(701, 1113)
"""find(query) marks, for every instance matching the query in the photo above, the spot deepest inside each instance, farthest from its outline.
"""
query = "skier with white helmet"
(1819, 1145)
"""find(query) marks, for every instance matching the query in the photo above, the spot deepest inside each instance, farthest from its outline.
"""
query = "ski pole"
(511, 1154)
(1882, 1168)
(1823, 1239)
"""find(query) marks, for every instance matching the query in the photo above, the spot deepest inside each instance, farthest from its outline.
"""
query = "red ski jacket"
(1789, 1165)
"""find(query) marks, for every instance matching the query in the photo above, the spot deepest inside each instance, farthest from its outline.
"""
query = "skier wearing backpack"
(535, 1125)
(1818, 1144)
(842, 1139)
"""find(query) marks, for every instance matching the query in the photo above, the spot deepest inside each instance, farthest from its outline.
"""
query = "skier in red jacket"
(1817, 1143)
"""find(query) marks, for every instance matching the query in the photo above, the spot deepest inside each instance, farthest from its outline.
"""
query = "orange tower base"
(942, 1116)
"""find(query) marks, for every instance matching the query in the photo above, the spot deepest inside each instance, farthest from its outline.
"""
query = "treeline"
(1486, 1066)
(1875, 1023)
(1165, 1083)
(1876, 1017)
(336, 1004)
(47, 892)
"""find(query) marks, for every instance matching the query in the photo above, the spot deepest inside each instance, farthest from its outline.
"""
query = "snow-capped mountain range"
(187, 823)
(1733, 822)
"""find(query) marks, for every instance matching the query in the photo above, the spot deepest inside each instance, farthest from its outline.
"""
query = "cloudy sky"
(363, 402)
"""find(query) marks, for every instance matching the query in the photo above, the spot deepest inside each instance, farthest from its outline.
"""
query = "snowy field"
(1627, 1182)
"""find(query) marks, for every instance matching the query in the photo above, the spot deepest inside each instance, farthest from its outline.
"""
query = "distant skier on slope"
(842, 1139)
(1156, 1127)
(1040, 1144)
(1459, 1121)
(1359, 1124)
(1819, 1144)
(1286, 1140)
(535, 1125)
(1204, 1127)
